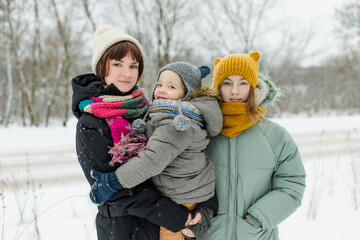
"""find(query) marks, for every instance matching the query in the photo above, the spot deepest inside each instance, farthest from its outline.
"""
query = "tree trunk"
(53, 93)
(85, 5)
(9, 103)
(27, 97)
(67, 63)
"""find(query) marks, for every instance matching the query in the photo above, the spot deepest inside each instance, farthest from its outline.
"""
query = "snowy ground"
(45, 196)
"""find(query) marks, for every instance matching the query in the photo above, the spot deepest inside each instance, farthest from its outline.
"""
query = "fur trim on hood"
(274, 95)
(205, 91)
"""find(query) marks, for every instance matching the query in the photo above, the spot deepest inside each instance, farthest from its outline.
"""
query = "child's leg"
(147, 202)
(169, 235)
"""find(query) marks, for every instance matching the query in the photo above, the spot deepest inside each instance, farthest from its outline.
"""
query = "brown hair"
(117, 52)
(251, 107)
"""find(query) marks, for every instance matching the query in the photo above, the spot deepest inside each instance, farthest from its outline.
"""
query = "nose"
(235, 90)
(126, 72)
(161, 89)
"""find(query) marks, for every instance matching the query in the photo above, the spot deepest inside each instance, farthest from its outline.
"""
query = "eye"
(116, 64)
(243, 83)
(134, 66)
(226, 83)
(171, 86)
(158, 85)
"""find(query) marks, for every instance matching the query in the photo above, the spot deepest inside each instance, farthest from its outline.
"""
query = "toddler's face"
(169, 86)
(235, 89)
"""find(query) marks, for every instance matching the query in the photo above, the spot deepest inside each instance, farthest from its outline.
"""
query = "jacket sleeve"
(93, 140)
(288, 185)
(164, 145)
(210, 110)
(212, 203)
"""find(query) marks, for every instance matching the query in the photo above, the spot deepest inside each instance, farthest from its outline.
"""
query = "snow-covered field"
(45, 196)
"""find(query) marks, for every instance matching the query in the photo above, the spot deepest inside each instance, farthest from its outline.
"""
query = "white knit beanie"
(104, 37)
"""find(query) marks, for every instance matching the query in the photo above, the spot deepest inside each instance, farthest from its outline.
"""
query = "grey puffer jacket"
(175, 160)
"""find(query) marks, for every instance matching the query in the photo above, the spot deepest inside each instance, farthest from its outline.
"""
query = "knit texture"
(105, 185)
(104, 37)
(236, 118)
(135, 140)
(117, 109)
(190, 75)
(184, 111)
(203, 226)
(129, 146)
(244, 65)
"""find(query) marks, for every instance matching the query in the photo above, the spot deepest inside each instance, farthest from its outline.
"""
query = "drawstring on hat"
(139, 125)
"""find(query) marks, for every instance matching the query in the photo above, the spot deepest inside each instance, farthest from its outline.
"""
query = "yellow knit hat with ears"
(104, 37)
(244, 65)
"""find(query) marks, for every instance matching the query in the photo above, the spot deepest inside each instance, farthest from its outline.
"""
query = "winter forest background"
(310, 48)
(45, 43)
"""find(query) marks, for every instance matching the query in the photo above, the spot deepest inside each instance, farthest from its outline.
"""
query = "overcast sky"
(320, 14)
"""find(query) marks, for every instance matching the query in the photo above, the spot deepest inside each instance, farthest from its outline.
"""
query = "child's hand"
(105, 185)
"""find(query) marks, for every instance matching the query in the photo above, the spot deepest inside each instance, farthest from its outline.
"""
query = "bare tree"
(14, 38)
(348, 29)
(348, 63)
(63, 28)
(9, 100)
(36, 54)
(86, 6)
(236, 25)
(161, 28)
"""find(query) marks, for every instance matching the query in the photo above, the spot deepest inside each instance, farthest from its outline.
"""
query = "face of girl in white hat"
(234, 89)
(123, 73)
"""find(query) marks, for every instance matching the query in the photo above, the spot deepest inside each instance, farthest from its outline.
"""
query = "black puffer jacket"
(93, 140)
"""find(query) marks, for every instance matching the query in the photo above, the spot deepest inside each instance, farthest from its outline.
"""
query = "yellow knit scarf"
(236, 118)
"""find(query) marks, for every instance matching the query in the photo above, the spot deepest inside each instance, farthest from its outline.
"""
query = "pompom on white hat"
(104, 37)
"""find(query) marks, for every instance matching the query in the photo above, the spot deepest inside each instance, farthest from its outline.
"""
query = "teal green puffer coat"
(259, 175)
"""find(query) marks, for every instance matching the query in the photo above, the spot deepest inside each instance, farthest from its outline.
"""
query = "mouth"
(235, 100)
(159, 97)
(124, 81)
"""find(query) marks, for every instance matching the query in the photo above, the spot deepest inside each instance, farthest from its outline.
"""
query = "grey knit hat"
(190, 75)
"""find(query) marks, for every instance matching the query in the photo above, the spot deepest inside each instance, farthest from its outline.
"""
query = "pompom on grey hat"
(191, 75)
(104, 37)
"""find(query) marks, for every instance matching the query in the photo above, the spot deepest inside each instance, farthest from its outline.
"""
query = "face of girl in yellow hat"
(234, 89)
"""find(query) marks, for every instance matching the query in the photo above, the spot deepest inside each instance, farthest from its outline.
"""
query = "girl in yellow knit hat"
(260, 178)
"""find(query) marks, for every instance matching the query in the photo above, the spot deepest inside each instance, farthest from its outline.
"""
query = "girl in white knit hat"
(105, 103)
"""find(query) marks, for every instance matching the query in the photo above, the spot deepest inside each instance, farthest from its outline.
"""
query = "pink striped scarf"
(116, 110)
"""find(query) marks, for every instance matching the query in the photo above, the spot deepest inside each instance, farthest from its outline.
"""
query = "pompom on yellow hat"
(244, 65)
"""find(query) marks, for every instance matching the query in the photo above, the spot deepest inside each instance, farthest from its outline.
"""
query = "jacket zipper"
(234, 183)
